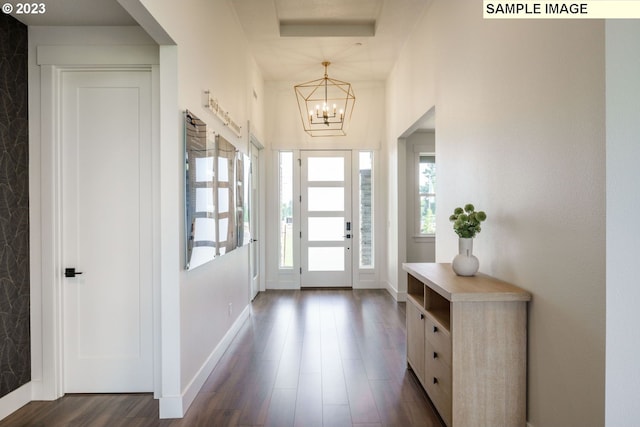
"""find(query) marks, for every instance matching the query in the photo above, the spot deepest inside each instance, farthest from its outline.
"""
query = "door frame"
(255, 144)
(289, 278)
(303, 200)
(127, 367)
(47, 335)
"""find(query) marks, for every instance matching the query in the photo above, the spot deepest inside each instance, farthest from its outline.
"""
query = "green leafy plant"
(466, 222)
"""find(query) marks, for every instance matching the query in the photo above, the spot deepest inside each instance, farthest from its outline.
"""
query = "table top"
(441, 278)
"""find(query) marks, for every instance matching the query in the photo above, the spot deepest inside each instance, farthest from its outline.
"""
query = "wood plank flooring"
(305, 358)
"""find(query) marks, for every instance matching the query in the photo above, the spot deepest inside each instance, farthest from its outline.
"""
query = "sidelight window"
(365, 204)
(285, 183)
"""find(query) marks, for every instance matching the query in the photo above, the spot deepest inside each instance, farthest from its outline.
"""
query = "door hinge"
(301, 234)
(300, 270)
(300, 198)
(299, 162)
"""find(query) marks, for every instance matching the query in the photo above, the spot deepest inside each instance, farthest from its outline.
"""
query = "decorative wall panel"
(15, 342)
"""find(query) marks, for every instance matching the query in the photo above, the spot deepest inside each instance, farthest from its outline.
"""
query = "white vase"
(465, 263)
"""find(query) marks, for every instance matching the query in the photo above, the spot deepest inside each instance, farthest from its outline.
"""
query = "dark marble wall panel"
(15, 341)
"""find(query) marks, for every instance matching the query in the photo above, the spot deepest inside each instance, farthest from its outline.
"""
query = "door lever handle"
(71, 272)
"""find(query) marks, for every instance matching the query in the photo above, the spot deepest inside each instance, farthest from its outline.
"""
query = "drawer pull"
(435, 329)
(435, 380)
(435, 355)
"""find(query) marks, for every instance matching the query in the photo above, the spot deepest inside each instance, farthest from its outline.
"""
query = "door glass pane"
(326, 169)
(326, 229)
(326, 199)
(326, 259)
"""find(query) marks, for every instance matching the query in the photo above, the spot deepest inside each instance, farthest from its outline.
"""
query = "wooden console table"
(467, 344)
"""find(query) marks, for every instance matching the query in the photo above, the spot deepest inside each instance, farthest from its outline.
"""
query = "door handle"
(71, 272)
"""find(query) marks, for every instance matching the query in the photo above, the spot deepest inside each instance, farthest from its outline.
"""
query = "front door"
(326, 231)
(106, 236)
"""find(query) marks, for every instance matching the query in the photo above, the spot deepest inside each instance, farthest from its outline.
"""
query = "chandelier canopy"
(325, 105)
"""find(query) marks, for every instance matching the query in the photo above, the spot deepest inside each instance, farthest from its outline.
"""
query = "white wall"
(520, 127)
(211, 53)
(623, 202)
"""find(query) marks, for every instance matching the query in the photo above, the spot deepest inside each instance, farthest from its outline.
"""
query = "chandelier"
(325, 105)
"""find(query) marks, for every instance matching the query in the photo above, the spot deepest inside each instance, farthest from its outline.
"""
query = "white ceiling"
(78, 13)
(352, 58)
(292, 58)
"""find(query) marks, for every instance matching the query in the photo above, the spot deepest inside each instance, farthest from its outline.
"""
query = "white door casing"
(326, 223)
(254, 221)
(106, 213)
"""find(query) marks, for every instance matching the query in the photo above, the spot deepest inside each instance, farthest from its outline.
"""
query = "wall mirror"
(215, 196)
(200, 230)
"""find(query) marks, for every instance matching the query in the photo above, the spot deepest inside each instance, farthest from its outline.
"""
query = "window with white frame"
(365, 187)
(426, 223)
(285, 199)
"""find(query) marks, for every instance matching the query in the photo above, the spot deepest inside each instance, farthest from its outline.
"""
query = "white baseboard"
(177, 406)
(15, 400)
(171, 407)
(282, 285)
(367, 284)
(398, 296)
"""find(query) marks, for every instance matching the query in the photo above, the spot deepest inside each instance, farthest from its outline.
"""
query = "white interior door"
(326, 232)
(106, 220)
(254, 225)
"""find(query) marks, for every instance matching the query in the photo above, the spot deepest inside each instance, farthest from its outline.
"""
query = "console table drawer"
(438, 383)
(439, 337)
(437, 368)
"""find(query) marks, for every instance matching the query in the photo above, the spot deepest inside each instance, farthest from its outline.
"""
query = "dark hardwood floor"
(305, 358)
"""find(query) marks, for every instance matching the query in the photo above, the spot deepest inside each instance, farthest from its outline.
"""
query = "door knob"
(71, 272)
